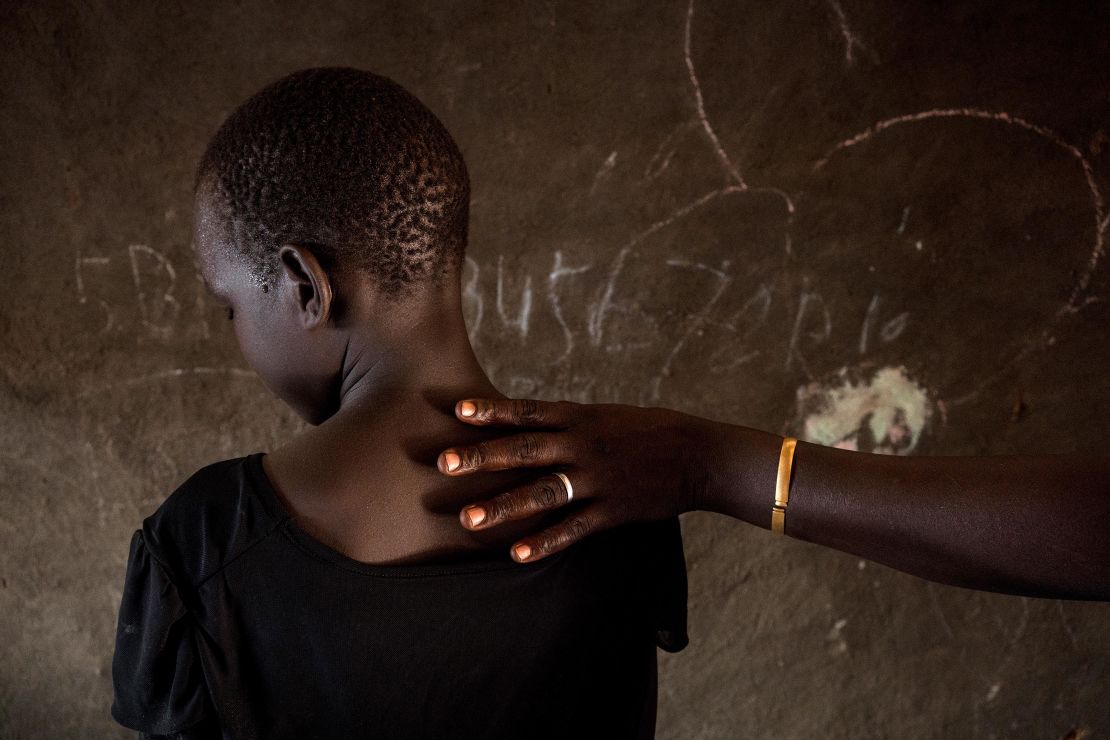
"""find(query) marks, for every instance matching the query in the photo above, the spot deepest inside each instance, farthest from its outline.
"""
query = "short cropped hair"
(346, 162)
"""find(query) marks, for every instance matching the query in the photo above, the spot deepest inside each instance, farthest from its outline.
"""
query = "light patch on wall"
(882, 411)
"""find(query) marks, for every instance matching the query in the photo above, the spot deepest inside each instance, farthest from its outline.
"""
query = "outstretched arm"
(1027, 525)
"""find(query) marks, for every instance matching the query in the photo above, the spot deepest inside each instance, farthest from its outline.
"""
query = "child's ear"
(311, 285)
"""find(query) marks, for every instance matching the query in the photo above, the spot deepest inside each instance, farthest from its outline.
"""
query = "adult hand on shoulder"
(624, 463)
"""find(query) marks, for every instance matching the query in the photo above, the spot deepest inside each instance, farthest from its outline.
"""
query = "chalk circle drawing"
(866, 409)
(1077, 298)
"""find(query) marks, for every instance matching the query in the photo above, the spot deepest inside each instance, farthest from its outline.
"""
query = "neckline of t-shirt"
(276, 507)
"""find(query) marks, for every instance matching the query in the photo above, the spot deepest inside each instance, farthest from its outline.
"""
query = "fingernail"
(522, 551)
(466, 408)
(476, 515)
(452, 460)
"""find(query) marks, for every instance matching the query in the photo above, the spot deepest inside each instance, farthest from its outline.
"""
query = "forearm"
(1029, 525)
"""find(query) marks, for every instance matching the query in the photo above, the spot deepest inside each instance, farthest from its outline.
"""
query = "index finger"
(520, 412)
(525, 450)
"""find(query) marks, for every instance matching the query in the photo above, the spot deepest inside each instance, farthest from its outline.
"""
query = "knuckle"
(577, 527)
(526, 447)
(600, 447)
(527, 411)
(485, 411)
(501, 507)
(476, 455)
(544, 544)
(562, 535)
(544, 495)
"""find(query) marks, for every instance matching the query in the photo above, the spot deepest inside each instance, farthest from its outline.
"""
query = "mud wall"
(879, 226)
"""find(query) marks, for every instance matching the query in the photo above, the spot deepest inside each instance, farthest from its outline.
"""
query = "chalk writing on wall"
(571, 312)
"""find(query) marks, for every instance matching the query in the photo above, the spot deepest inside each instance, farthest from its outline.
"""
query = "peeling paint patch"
(884, 411)
(836, 643)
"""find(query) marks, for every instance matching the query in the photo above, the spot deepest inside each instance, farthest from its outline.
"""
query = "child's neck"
(410, 353)
(365, 480)
(394, 394)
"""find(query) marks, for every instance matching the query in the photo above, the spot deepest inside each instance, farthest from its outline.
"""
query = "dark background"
(878, 225)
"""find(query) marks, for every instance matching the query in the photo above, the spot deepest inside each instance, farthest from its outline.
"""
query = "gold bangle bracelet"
(782, 484)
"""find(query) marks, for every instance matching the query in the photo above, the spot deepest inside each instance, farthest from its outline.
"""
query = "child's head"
(329, 189)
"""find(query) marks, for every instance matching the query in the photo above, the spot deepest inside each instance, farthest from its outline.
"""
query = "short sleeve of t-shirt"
(157, 678)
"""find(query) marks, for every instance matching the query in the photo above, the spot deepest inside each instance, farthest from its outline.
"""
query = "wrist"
(741, 464)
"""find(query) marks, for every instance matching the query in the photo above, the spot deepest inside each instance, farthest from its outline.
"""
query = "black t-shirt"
(233, 617)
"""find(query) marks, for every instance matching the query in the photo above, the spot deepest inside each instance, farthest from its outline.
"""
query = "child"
(327, 588)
